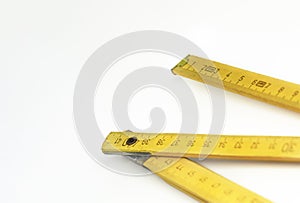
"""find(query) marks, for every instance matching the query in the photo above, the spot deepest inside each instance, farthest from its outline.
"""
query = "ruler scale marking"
(271, 148)
(200, 182)
(161, 153)
(240, 81)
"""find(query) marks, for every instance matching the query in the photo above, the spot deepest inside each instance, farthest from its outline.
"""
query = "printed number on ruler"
(254, 85)
(270, 148)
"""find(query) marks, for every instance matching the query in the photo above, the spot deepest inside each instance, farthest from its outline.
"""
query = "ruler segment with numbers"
(263, 148)
(271, 90)
(163, 155)
(199, 182)
(167, 154)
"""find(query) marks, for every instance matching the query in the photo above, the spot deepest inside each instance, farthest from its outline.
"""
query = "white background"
(43, 45)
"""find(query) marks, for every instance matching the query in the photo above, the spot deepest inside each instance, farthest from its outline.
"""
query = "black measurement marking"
(169, 161)
(222, 144)
(228, 74)
(288, 147)
(272, 145)
(160, 142)
(254, 145)
(216, 185)
(280, 90)
(238, 145)
(145, 141)
(190, 143)
(268, 85)
(180, 167)
(207, 143)
(241, 79)
(261, 83)
(254, 82)
(210, 69)
(203, 179)
(118, 140)
(191, 173)
(175, 143)
(295, 93)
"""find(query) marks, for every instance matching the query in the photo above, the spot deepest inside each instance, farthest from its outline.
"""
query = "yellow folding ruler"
(250, 84)
(169, 154)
